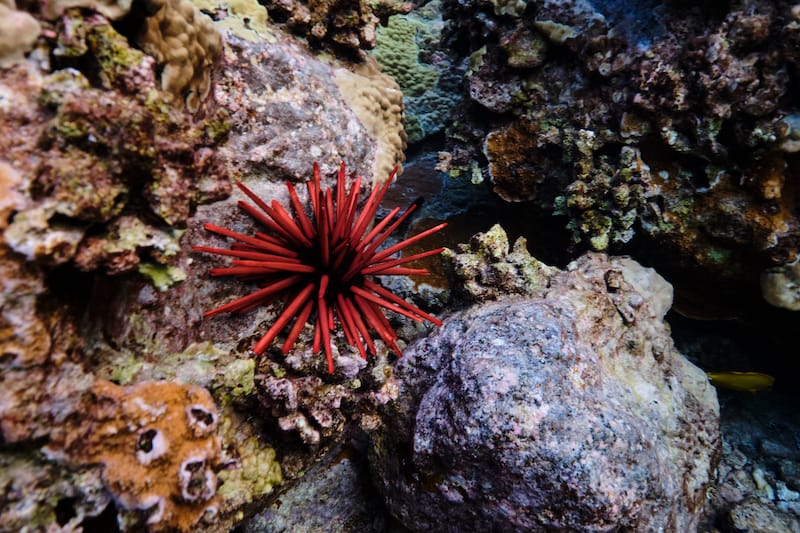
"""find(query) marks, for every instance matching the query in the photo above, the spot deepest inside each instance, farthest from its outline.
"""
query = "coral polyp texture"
(322, 263)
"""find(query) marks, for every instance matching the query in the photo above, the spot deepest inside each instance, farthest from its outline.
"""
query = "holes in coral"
(150, 445)
(201, 420)
(65, 510)
(105, 522)
(197, 482)
(145, 442)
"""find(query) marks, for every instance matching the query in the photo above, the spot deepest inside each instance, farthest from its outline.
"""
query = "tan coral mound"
(377, 101)
(185, 43)
(18, 32)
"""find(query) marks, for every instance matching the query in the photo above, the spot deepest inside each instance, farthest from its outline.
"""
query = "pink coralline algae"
(323, 262)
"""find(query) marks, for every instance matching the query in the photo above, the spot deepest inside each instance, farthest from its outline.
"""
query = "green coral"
(236, 381)
(258, 471)
(409, 49)
(162, 276)
(398, 54)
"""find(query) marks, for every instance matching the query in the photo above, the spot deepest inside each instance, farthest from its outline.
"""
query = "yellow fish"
(741, 381)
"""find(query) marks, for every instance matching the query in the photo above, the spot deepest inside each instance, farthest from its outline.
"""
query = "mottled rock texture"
(568, 410)
(289, 110)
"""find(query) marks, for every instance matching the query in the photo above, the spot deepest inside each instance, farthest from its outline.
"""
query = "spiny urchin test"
(320, 263)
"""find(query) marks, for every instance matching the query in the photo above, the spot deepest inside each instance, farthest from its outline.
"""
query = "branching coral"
(323, 263)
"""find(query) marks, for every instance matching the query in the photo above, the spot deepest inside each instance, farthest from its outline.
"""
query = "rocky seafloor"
(621, 186)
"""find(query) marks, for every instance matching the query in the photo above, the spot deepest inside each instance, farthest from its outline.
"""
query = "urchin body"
(321, 263)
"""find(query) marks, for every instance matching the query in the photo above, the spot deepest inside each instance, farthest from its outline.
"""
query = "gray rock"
(332, 496)
(758, 516)
(568, 410)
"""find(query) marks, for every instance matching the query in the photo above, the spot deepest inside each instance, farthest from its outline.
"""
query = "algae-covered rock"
(333, 495)
(487, 268)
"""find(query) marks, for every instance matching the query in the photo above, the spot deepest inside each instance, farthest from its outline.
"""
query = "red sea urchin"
(322, 262)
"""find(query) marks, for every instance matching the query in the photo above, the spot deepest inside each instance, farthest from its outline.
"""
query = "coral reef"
(605, 201)
(376, 100)
(305, 405)
(107, 148)
(485, 269)
(183, 41)
(157, 444)
(675, 136)
(103, 186)
(517, 159)
(567, 409)
(347, 24)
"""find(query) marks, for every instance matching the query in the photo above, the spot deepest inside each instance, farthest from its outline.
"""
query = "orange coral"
(158, 446)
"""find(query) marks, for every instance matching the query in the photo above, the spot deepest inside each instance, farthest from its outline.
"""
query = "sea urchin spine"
(323, 263)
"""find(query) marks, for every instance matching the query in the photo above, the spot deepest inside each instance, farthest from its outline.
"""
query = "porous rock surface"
(567, 410)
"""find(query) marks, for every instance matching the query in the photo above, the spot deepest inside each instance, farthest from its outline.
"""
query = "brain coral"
(398, 55)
